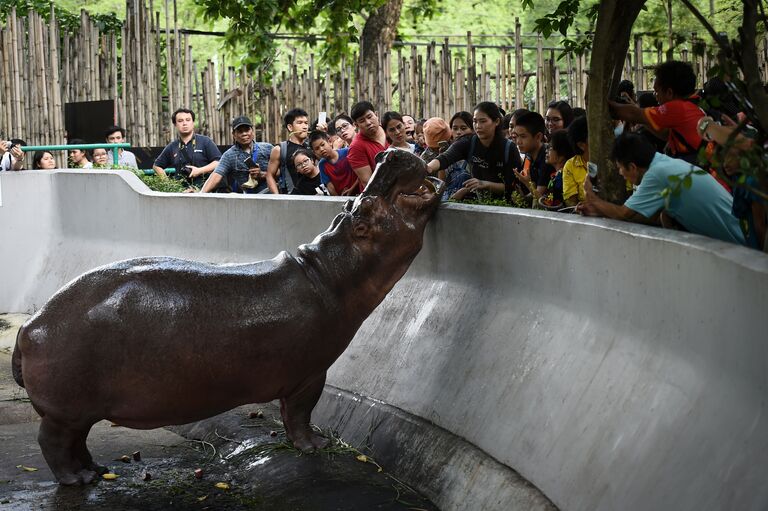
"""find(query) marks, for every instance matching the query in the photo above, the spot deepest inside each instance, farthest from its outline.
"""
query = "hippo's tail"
(16, 362)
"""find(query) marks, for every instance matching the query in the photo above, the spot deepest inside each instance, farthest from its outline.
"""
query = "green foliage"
(68, 21)
(159, 184)
(251, 24)
(562, 19)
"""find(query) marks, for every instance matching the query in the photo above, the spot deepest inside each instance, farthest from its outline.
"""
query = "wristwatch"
(702, 127)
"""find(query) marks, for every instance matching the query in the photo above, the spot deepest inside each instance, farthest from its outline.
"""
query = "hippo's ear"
(348, 205)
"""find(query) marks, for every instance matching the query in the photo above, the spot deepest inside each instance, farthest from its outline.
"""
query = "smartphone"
(322, 118)
(250, 163)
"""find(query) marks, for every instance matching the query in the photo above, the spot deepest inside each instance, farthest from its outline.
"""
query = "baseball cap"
(241, 121)
(435, 130)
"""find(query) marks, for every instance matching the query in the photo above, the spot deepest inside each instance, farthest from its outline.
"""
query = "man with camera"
(193, 156)
(244, 165)
(11, 155)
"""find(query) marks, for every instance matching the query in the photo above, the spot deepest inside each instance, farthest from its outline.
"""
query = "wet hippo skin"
(157, 341)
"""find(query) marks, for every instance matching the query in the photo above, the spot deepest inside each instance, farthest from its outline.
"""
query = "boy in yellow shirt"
(575, 169)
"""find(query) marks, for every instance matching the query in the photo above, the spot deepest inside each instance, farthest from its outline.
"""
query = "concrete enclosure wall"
(613, 366)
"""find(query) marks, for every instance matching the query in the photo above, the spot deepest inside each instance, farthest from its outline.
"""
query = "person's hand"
(195, 171)
(460, 194)
(525, 180)
(17, 153)
(589, 191)
(473, 184)
(352, 190)
(255, 172)
(629, 99)
(322, 126)
(589, 206)
(5, 146)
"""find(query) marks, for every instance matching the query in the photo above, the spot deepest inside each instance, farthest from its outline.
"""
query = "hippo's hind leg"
(91, 470)
(62, 446)
(296, 410)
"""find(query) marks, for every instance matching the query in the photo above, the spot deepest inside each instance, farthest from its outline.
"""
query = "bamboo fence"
(148, 70)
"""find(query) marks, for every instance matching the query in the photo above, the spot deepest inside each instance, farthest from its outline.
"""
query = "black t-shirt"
(486, 163)
(199, 152)
(305, 185)
(541, 171)
(292, 148)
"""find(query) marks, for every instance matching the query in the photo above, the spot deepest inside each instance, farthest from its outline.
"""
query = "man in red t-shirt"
(676, 117)
(369, 141)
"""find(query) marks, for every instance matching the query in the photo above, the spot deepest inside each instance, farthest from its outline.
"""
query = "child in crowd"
(529, 135)
(308, 181)
(335, 171)
(99, 158)
(437, 136)
(420, 142)
(559, 150)
(394, 127)
(575, 169)
(457, 173)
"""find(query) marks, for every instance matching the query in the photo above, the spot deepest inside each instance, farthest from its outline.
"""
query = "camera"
(186, 170)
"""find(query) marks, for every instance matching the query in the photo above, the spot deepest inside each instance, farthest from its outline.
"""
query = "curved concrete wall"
(614, 366)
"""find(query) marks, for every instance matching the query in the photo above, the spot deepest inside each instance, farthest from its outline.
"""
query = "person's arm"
(595, 206)
(201, 171)
(631, 113)
(159, 172)
(710, 130)
(162, 162)
(473, 184)
(212, 183)
(456, 152)
(331, 189)
(363, 174)
(353, 189)
(17, 158)
(273, 169)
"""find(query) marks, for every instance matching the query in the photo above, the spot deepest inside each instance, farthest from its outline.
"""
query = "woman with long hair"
(394, 127)
(492, 156)
(43, 160)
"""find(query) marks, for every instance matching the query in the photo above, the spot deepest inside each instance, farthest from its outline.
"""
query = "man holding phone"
(244, 165)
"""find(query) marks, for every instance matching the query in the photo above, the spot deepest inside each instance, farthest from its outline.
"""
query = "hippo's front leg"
(296, 411)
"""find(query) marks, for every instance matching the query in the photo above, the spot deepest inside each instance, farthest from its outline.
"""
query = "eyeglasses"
(343, 126)
(553, 119)
(304, 163)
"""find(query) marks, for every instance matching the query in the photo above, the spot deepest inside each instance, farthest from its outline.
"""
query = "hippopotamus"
(159, 341)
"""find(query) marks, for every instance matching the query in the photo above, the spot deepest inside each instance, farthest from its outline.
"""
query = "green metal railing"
(115, 155)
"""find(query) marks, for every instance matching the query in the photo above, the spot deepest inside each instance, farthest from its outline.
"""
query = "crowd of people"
(523, 157)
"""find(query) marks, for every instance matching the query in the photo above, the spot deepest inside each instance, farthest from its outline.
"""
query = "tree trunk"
(609, 50)
(381, 27)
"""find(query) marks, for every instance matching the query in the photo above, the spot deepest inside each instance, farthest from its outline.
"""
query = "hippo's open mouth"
(402, 173)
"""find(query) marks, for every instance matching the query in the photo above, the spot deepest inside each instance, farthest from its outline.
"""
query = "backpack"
(285, 183)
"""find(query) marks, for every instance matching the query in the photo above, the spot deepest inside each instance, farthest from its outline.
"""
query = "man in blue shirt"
(193, 156)
(245, 159)
(703, 208)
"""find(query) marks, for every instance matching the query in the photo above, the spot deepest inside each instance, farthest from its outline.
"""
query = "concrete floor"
(261, 470)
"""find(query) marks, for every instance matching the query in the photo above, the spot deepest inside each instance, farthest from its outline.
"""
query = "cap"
(436, 130)
(241, 121)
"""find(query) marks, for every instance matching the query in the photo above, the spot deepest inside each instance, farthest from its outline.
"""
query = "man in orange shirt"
(676, 117)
